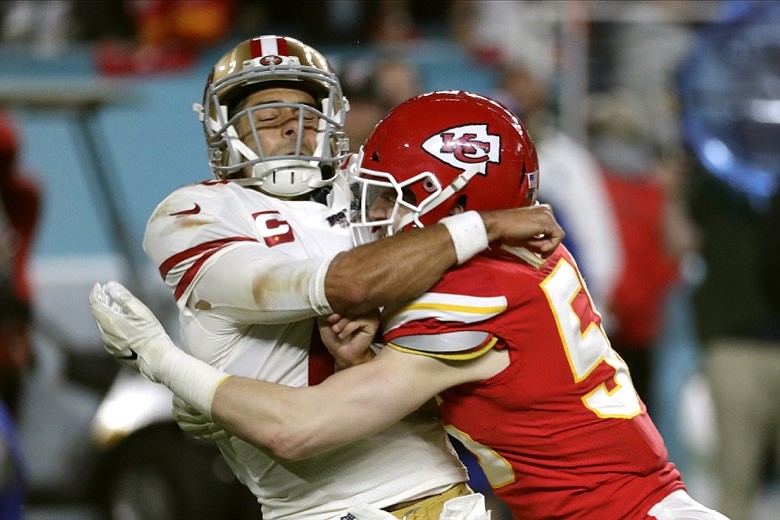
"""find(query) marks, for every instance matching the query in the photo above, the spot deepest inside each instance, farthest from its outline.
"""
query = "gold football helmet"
(268, 62)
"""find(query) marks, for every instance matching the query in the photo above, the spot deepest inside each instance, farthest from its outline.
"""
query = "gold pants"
(429, 508)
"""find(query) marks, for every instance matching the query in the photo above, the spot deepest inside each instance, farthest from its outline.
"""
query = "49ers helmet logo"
(464, 146)
(271, 59)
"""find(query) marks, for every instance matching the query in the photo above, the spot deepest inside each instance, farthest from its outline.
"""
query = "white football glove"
(130, 331)
(133, 335)
(194, 423)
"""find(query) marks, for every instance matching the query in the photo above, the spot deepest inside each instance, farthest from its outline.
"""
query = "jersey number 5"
(587, 347)
(585, 351)
(273, 229)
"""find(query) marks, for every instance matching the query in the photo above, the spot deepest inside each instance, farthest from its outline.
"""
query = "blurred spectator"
(395, 81)
(48, 26)
(526, 94)
(19, 212)
(393, 22)
(44, 25)
(738, 313)
(373, 87)
(12, 311)
(654, 230)
(644, 51)
(180, 23)
(571, 181)
(168, 35)
(358, 22)
(521, 31)
(731, 67)
(19, 201)
(364, 107)
(131, 36)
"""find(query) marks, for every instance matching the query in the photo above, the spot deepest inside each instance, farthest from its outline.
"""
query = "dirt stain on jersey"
(191, 222)
(268, 289)
(203, 305)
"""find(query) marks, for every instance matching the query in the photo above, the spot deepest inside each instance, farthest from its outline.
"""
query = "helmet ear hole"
(460, 205)
(429, 185)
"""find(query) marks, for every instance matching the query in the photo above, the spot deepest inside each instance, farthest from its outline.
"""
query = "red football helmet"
(437, 151)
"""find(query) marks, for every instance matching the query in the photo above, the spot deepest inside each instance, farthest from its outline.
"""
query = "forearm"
(291, 422)
(273, 417)
(389, 270)
(405, 265)
(283, 420)
(297, 423)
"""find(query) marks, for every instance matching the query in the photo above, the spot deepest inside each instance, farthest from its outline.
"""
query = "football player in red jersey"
(508, 343)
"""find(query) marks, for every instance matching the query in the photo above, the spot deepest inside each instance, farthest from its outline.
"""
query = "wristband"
(193, 380)
(468, 233)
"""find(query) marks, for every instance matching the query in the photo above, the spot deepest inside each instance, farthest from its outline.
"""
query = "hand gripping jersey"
(560, 433)
(244, 269)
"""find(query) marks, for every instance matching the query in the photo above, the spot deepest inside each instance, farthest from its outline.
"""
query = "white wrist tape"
(468, 234)
(190, 378)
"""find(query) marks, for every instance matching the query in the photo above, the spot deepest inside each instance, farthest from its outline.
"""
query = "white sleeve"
(252, 284)
(210, 257)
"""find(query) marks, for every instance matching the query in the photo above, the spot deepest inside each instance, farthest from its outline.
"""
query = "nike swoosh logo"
(193, 211)
(132, 357)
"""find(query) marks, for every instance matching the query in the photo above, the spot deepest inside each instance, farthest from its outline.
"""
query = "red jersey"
(561, 432)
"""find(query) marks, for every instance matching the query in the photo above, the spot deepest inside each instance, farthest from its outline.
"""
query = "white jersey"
(246, 270)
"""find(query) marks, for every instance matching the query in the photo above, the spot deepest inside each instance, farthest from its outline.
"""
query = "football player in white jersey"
(255, 255)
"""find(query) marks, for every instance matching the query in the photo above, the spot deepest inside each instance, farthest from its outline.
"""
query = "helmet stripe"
(256, 47)
(266, 46)
(269, 46)
(281, 47)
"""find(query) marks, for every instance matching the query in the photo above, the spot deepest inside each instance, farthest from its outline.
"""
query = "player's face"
(382, 203)
(278, 127)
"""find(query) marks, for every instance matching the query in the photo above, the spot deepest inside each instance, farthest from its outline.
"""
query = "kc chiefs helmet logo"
(464, 146)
